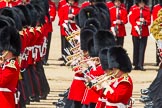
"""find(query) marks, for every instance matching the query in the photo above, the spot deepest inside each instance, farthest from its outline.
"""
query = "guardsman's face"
(141, 4)
(71, 2)
(117, 2)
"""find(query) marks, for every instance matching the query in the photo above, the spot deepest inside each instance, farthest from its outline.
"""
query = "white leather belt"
(79, 78)
(118, 105)
(5, 90)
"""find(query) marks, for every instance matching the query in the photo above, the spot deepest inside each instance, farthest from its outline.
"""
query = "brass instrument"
(90, 59)
(97, 82)
(72, 35)
(70, 57)
(75, 48)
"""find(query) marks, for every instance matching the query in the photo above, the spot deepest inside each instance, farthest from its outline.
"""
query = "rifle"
(116, 28)
(70, 12)
(141, 23)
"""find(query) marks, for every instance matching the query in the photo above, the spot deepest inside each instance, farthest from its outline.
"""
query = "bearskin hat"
(96, 1)
(93, 22)
(33, 14)
(122, 1)
(40, 13)
(26, 13)
(144, 1)
(44, 4)
(90, 47)
(85, 13)
(10, 40)
(10, 12)
(21, 16)
(102, 39)
(103, 58)
(118, 58)
(105, 15)
(6, 21)
(85, 36)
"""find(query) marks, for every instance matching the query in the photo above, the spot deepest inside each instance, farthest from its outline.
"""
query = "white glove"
(137, 29)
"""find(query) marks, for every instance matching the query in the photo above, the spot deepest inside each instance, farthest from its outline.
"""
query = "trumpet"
(71, 57)
(97, 82)
(90, 59)
(72, 35)
(75, 48)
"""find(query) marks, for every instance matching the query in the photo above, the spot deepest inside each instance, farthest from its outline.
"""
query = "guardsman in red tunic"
(10, 46)
(52, 10)
(90, 96)
(77, 88)
(52, 13)
(140, 19)
(118, 18)
(116, 87)
(110, 4)
(67, 23)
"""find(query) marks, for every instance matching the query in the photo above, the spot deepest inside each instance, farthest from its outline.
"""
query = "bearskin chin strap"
(3, 56)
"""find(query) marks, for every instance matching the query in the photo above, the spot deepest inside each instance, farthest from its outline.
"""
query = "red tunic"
(9, 4)
(85, 4)
(52, 10)
(155, 10)
(25, 40)
(134, 18)
(39, 43)
(122, 16)
(31, 37)
(110, 4)
(64, 11)
(77, 88)
(61, 3)
(90, 96)
(122, 92)
(9, 75)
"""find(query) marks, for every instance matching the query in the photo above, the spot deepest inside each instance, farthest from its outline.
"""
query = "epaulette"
(25, 31)
(125, 79)
(156, 5)
(11, 64)
(21, 33)
(32, 30)
(38, 28)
